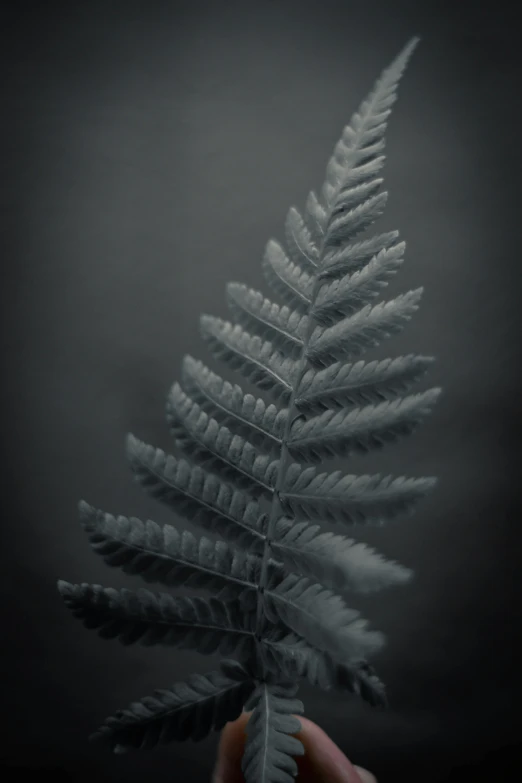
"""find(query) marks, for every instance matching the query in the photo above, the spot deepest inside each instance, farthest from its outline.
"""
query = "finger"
(323, 759)
(230, 751)
(365, 775)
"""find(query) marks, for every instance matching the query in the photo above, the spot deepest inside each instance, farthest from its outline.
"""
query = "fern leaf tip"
(64, 588)
(205, 319)
(131, 441)
(409, 48)
(84, 509)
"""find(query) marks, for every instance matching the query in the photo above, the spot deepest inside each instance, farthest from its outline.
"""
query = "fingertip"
(234, 733)
(230, 751)
(323, 759)
(365, 775)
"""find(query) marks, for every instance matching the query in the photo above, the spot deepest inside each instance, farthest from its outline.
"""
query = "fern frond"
(347, 223)
(316, 216)
(357, 155)
(350, 198)
(302, 249)
(362, 382)
(285, 328)
(352, 257)
(269, 746)
(278, 582)
(368, 327)
(360, 678)
(320, 616)
(187, 710)
(350, 499)
(257, 361)
(189, 489)
(206, 625)
(362, 171)
(332, 559)
(341, 433)
(166, 556)
(245, 415)
(215, 446)
(293, 284)
(296, 658)
(343, 297)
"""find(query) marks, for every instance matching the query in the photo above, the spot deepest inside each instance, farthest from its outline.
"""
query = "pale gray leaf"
(345, 225)
(350, 499)
(243, 413)
(285, 328)
(353, 257)
(296, 658)
(293, 284)
(340, 298)
(217, 448)
(301, 247)
(256, 360)
(194, 492)
(350, 197)
(366, 328)
(350, 430)
(361, 382)
(339, 562)
(315, 216)
(356, 157)
(320, 616)
(206, 625)
(167, 556)
(190, 709)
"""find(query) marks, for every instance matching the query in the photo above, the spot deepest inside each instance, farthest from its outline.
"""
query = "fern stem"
(276, 508)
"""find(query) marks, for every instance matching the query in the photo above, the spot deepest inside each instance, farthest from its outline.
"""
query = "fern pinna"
(252, 476)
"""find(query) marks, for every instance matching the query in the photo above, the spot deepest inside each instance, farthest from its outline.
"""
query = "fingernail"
(366, 777)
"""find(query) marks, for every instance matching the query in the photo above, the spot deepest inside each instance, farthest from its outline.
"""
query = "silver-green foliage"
(277, 578)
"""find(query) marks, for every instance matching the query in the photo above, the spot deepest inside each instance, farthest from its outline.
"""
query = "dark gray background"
(149, 151)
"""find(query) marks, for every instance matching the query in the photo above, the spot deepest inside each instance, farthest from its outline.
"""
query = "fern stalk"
(294, 414)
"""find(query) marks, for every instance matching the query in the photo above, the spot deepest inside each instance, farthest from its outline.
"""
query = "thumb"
(323, 759)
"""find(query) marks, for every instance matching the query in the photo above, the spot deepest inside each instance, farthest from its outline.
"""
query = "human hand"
(323, 760)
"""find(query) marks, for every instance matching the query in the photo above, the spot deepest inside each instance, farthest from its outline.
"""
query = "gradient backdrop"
(149, 151)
